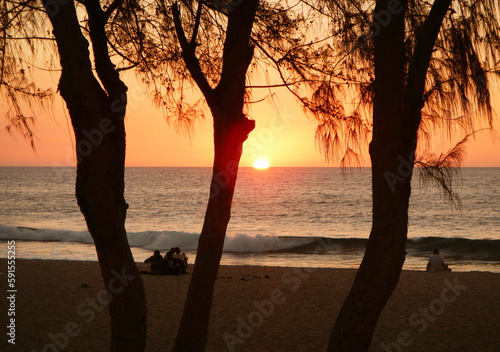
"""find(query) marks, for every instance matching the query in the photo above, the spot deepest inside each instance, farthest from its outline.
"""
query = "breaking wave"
(452, 248)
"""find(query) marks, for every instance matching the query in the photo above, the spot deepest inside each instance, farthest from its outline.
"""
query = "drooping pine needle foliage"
(457, 86)
(458, 83)
(23, 36)
(457, 97)
(443, 172)
(293, 48)
(320, 50)
(465, 60)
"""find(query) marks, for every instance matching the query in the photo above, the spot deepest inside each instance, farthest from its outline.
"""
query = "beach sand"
(428, 311)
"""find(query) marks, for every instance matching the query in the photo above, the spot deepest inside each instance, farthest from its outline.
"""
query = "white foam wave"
(43, 235)
(259, 243)
(161, 240)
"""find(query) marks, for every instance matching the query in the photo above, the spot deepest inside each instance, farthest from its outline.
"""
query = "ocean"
(305, 217)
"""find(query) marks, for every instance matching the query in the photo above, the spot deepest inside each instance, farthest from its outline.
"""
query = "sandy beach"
(255, 309)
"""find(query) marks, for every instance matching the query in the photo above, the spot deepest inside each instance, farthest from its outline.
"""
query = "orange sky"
(285, 140)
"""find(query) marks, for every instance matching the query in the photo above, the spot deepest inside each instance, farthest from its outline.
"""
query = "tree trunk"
(392, 165)
(97, 119)
(231, 129)
(192, 334)
(380, 269)
(396, 118)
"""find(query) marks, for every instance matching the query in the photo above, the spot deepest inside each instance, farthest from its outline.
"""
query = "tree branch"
(134, 63)
(188, 54)
(106, 71)
(181, 36)
(196, 25)
(238, 50)
(112, 7)
(426, 39)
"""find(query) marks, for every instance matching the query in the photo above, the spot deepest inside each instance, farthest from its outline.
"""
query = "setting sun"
(261, 164)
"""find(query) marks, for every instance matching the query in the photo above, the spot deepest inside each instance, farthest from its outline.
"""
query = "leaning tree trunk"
(194, 324)
(97, 119)
(379, 271)
(396, 118)
(231, 129)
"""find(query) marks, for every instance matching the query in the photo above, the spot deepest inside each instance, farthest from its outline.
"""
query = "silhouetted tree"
(421, 67)
(217, 46)
(96, 107)
(145, 40)
(231, 129)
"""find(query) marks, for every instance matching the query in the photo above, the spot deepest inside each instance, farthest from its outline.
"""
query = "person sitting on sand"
(169, 254)
(177, 255)
(170, 265)
(174, 259)
(436, 262)
(156, 261)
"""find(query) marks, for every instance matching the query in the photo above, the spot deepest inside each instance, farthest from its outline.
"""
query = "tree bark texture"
(231, 129)
(398, 100)
(97, 117)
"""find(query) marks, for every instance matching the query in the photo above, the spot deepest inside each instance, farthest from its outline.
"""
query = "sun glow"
(261, 164)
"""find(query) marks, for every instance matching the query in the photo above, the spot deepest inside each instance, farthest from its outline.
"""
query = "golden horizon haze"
(284, 138)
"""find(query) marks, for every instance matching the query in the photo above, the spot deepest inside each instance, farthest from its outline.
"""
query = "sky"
(285, 138)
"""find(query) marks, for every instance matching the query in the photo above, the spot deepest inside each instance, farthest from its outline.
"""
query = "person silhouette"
(173, 265)
(436, 262)
(181, 256)
(156, 262)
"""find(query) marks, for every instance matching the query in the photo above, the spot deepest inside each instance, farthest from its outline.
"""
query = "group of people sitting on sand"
(174, 262)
